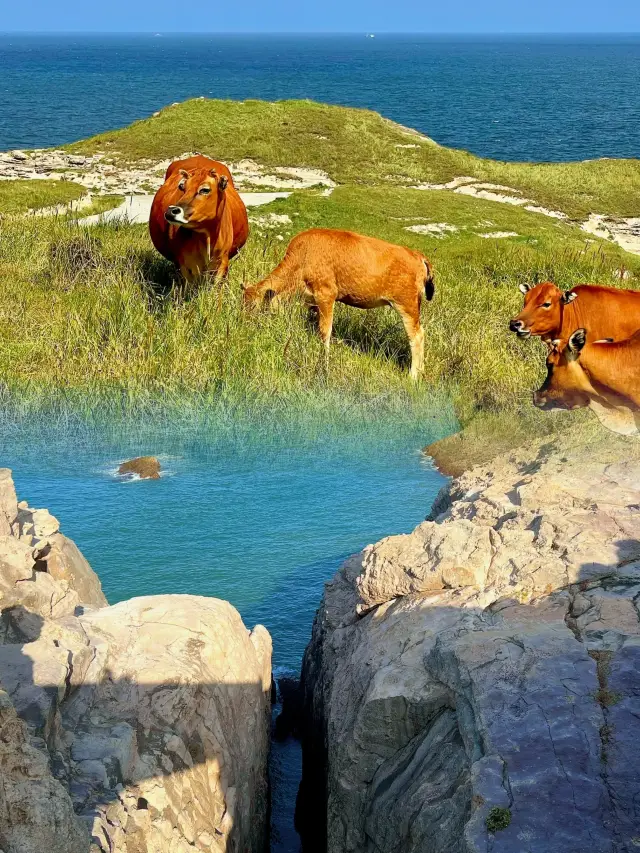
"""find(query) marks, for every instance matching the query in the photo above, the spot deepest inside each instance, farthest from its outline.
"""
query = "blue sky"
(459, 16)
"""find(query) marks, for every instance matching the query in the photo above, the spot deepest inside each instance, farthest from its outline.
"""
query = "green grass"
(110, 313)
(17, 196)
(94, 318)
(361, 147)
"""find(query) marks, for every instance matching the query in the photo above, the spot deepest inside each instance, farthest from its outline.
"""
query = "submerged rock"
(473, 684)
(146, 467)
(141, 727)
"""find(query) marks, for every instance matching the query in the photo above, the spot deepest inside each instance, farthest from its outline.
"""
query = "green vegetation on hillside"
(359, 146)
(20, 196)
(89, 313)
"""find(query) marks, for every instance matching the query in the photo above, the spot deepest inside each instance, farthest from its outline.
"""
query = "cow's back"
(605, 312)
(343, 251)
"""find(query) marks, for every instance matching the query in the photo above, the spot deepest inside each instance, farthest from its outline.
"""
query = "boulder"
(474, 685)
(169, 730)
(64, 562)
(146, 467)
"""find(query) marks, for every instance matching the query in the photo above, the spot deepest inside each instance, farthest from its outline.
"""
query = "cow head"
(567, 386)
(199, 194)
(542, 312)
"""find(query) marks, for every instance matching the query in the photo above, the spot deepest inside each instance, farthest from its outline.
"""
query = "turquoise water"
(262, 522)
(507, 97)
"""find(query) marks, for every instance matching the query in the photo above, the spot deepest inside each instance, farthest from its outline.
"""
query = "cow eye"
(205, 190)
(546, 305)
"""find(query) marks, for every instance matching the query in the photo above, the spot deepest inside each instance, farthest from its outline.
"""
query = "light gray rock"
(150, 719)
(65, 563)
(36, 814)
(488, 660)
(8, 502)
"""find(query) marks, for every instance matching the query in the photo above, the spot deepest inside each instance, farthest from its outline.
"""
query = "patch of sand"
(624, 232)
(435, 229)
(135, 209)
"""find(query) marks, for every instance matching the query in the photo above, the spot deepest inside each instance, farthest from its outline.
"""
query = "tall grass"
(96, 315)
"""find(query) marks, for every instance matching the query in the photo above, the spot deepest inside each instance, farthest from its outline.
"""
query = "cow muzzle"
(175, 215)
(518, 327)
(545, 404)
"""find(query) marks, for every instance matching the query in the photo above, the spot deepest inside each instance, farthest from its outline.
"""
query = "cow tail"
(429, 282)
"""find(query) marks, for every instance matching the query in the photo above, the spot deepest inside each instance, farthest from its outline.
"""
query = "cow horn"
(183, 173)
(213, 173)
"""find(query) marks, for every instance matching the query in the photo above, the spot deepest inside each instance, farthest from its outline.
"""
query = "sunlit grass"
(18, 196)
(359, 147)
(95, 318)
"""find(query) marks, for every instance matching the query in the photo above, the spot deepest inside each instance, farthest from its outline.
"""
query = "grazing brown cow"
(605, 312)
(328, 266)
(198, 220)
(604, 375)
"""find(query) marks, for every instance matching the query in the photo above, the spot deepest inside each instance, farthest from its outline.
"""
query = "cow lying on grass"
(603, 375)
(328, 266)
(198, 221)
(604, 312)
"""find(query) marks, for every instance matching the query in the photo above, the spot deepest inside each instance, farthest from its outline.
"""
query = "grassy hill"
(360, 147)
(87, 311)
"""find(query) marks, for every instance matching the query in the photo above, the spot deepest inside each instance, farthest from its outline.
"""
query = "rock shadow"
(138, 758)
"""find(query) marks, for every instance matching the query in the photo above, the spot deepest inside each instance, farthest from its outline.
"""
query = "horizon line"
(154, 32)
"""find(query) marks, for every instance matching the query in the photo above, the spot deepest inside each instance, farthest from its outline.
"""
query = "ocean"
(506, 97)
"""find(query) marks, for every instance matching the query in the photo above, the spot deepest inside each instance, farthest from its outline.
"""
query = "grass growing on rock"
(84, 311)
(17, 196)
(361, 147)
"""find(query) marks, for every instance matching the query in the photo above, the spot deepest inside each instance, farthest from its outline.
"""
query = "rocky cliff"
(137, 728)
(474, 686)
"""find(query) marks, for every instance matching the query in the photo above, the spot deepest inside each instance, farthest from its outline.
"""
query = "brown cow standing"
(328, 266)
(198, 221)
(603, 375)
(605, 312)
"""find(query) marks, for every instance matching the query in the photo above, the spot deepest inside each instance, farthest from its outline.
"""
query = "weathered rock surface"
(140, 728)
(488, 660)
(100, 174)
(35, 810)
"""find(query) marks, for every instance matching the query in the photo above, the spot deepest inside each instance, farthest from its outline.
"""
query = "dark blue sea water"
(514, 98)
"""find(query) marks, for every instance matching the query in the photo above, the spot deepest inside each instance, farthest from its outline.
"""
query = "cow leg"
(325, 325)
(221, 268)
(415, 333)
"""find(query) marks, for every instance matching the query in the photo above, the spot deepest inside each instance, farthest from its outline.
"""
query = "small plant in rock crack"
(498, 818)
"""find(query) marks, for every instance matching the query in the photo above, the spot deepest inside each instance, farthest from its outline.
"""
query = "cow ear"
(569, 297)
(222, 183)
(525, 288)
(213, 173)
(577, 340)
